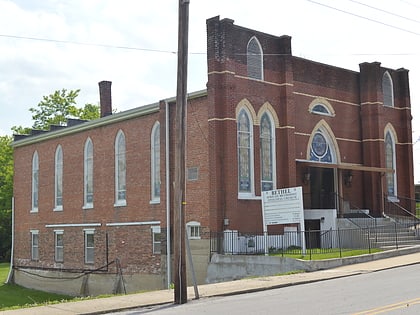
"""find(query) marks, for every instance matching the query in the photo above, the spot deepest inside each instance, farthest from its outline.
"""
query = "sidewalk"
(96, 306)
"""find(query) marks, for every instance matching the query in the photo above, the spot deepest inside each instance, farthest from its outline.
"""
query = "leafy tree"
(6, 172)
(6, 194)
(56, 108)
(5, 234)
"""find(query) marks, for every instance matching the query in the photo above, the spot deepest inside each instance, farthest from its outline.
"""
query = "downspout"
(168, 199)
(10, 275)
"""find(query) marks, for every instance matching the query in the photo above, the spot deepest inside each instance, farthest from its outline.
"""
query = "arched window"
(321, 148)
(267, 152)
(254, 59)
(35, 181)
(120, 170)
(390, 163)
(88, 174)
(58, 204)
(245, 153)
(388, 90)
(155, 162)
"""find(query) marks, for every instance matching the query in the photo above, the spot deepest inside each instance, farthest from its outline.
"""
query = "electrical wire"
(364, 17)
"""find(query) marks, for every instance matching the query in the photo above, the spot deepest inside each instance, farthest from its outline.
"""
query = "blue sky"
(132, 44)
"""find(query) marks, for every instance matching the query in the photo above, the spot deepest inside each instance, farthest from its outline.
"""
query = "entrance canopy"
(346, 166)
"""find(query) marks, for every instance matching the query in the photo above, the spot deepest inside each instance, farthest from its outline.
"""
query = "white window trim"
(393, 198)
(261, 58)
(86, 204)
(35, 168)
(154, 199)
(156, 230)
(120, 202)
(273, 146)
(193, 224)
(56, 178)
(58, 232)
(251, 193)
(34, 232)
(85, 233)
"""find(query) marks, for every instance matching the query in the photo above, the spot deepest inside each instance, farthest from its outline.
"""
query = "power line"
(364, 17)
(91, 44)
(384, 11)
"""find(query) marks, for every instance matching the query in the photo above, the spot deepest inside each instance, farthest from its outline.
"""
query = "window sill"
(120, 204)
(33, 211)
(155, 201)
(393, 199)
(58, 208)
(248, 197)
(87, 207)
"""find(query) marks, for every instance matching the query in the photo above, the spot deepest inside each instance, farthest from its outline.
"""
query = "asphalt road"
(392, 291)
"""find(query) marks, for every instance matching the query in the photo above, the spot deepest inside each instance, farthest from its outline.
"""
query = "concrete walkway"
(122, 302)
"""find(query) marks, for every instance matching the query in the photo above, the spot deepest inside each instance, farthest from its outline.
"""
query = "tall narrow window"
(59, 246)
(388, 90)
(34, 244)
(35, 182)
(254, 60)
(120, 170)
(245, 158)
(267, 153)
(390, 163)
(89, 246)
(88, 174)
(59, 179)
(155, 163)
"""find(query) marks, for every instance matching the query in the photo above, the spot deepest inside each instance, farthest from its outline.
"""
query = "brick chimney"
(105, 98)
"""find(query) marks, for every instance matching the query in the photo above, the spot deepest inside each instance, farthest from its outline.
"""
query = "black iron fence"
(368, 239)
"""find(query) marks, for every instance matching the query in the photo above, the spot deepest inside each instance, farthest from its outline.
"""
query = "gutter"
(10, 275)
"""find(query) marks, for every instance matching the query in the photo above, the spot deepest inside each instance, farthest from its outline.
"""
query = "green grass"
(14, 296)
(335, 253)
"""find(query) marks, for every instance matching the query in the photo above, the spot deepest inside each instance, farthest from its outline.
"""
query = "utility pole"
(179, 271)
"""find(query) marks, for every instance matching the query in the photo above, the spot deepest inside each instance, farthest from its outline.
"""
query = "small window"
(89, 246)
(194, 230)
(35, 245)
(59, 246)
(192, 173)
(156, 239)
(320, 109)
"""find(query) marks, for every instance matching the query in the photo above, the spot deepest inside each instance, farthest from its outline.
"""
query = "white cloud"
(30, 69)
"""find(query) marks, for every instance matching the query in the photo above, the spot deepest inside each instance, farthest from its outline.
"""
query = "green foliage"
(5, 234)
(55, 109)
(14, 296)
(6, 172)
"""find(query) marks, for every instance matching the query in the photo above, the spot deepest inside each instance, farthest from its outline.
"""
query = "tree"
(6, 172)
(56, 108)
(6, 195)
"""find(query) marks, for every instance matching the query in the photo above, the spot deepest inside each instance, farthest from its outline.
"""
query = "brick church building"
(93, 200)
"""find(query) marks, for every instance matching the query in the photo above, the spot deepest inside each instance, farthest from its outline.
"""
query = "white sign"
(283, 206)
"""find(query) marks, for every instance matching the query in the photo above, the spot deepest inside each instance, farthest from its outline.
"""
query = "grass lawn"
(14, 296)
(326, 255)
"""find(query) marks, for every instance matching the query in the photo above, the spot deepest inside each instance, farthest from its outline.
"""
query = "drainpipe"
(10, 275)
(168, 198)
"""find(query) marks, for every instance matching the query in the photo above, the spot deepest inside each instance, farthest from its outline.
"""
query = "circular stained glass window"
(319, 144)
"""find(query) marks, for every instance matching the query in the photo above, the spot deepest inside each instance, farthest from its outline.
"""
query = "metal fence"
(391, 236)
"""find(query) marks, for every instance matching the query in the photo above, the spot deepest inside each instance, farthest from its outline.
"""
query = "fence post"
(339, 241)
(310, 245)
(368, 235)
(396, 235)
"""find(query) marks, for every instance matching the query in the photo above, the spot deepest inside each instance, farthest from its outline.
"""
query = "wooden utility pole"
(179, 271)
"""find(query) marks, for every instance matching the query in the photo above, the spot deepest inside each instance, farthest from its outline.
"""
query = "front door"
(322, 188)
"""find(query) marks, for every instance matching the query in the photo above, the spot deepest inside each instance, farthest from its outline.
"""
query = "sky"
(49, 45)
